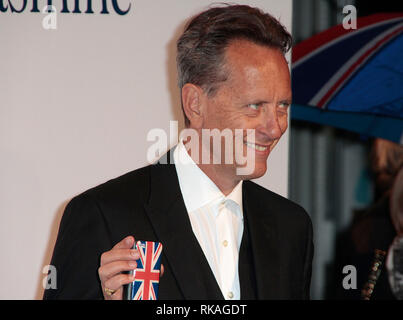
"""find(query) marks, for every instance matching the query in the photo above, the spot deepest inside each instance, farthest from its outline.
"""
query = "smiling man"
(255, 95)
(224, 236)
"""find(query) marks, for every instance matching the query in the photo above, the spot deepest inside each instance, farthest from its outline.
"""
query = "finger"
(111, 269)
(118, 295)
(116, 282)
(119, 254)
(162, 269)
(126, 243)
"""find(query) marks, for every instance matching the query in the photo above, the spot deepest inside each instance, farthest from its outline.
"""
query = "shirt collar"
(236, 194)
(196, 187)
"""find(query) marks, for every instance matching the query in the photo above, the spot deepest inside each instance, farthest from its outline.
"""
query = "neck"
(216, 174)
(222, 175)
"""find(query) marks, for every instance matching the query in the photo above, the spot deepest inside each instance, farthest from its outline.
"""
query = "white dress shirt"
(216, 219)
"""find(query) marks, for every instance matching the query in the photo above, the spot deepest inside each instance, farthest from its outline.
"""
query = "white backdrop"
(76, 104)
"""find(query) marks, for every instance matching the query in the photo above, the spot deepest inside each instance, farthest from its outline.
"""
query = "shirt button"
(225, 243)
(230, 295)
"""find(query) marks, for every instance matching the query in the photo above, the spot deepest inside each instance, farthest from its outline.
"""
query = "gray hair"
(200, 49)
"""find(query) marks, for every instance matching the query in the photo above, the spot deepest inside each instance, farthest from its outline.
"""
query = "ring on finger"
(109, 292)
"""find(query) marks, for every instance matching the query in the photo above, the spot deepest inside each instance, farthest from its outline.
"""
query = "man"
(224, 237)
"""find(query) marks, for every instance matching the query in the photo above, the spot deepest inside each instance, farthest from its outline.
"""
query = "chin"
(258, 171)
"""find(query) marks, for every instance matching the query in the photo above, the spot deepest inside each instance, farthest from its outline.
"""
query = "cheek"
(217, 115)
(230, 118)
(223, 112)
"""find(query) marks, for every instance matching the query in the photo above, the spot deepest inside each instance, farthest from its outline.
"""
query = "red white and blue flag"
(146, 276)
(352, 78)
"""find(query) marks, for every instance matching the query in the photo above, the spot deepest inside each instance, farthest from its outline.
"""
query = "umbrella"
(352, 79)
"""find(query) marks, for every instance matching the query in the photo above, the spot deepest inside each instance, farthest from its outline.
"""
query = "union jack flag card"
(147, 273)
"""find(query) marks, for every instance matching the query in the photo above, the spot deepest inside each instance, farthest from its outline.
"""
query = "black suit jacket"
(147, 203)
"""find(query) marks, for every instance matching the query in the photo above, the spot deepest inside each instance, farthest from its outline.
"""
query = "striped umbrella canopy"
(352, 78)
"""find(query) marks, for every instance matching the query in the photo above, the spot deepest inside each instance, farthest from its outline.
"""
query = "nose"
(272, 125)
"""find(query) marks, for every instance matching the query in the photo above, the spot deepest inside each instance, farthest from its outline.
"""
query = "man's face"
(255, 96)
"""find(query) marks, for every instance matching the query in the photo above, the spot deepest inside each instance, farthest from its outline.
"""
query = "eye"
(254, 106)
(284, 105)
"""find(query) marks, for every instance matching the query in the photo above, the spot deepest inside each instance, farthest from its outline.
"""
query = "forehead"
(251, 65)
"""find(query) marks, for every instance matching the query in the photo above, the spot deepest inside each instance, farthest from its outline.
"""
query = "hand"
(113, 262)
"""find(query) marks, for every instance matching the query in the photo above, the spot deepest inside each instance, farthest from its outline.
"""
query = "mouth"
(257, 147)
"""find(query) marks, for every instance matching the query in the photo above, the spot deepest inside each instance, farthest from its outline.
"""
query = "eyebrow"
(287, 101)
(259, 102)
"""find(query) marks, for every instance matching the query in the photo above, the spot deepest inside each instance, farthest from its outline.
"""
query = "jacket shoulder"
(133, 185)
(279, 205)
(112, 202)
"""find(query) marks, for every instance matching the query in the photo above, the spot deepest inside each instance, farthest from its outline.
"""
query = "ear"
(192, 97)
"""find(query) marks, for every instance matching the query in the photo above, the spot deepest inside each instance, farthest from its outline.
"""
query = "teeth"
(254, 146)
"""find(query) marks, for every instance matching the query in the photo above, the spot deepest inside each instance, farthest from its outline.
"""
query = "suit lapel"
(167, 213)
(264, 243)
